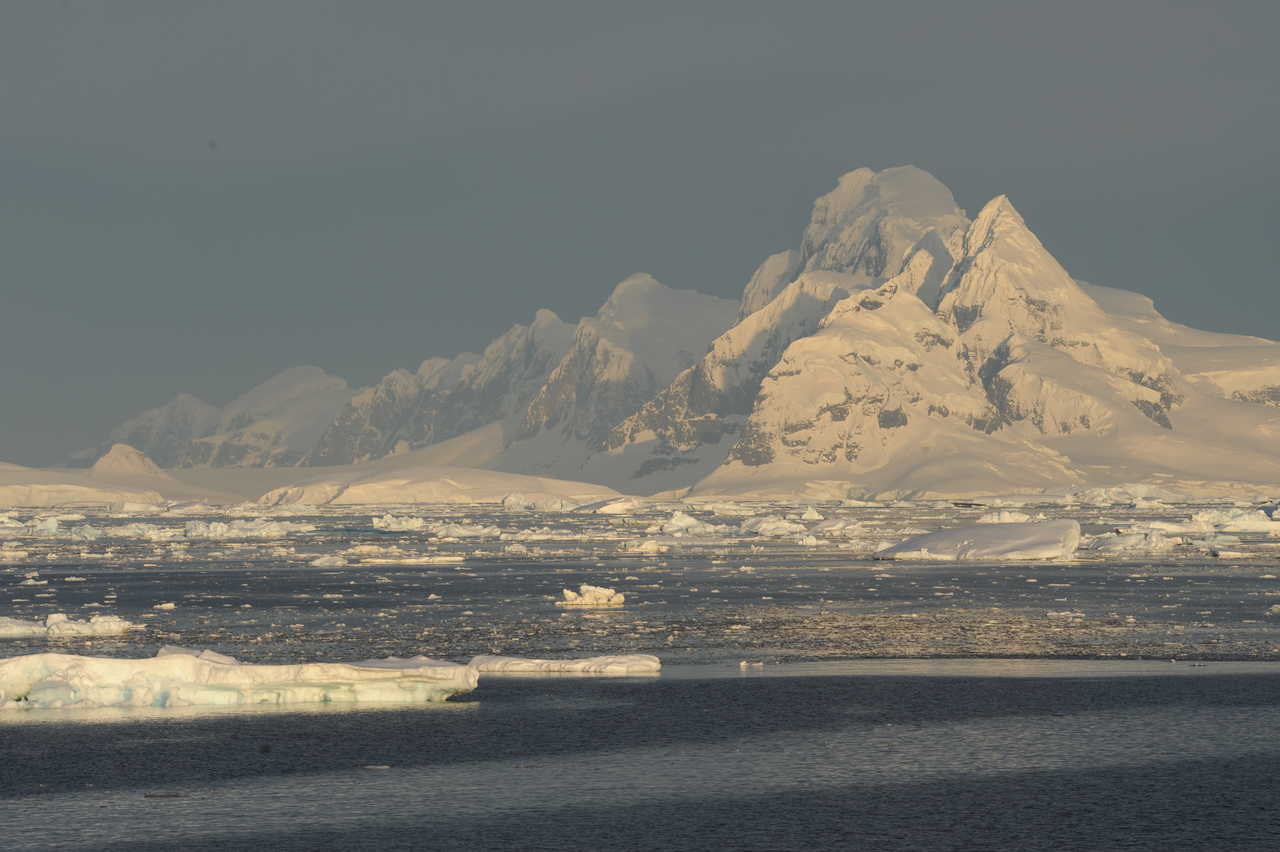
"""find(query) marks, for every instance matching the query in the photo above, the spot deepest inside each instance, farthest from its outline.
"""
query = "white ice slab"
(1039, 540)
(617, 664)
(180, 677)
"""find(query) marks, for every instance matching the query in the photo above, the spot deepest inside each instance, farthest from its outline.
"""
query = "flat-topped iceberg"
(617, 664)
(1013, 541)
(180, 677)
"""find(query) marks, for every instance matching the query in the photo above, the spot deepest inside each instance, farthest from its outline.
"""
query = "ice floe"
(618, 664)
(58, 625)
(1013, 541)
(180, 677)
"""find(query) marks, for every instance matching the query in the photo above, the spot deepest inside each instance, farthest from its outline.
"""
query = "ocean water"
(871, 755)
(1125, 702)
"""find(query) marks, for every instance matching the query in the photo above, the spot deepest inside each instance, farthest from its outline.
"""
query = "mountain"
(858, 234)
(900, 348)
(275, 423)
(446, 397)
(1008, 377)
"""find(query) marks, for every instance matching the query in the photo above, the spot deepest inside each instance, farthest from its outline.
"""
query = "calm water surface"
(869, 755)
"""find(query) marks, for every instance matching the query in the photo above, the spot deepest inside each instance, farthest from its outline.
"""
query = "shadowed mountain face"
(900, 348)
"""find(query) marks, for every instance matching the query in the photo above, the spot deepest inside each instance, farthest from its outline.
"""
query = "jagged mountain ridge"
(900, 348)
(446, 397)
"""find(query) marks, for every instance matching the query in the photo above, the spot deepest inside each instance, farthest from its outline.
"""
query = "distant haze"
(198, 195)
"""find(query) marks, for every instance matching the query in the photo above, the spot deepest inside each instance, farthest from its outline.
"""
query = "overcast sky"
(195, 195)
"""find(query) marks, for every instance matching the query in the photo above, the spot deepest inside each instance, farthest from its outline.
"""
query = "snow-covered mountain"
(858, 234)
(1008, 377)
(275, 423)
(901, 348)
(638, 341)
(446, 397)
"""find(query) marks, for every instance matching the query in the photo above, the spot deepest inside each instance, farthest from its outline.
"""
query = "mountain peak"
(124, 460)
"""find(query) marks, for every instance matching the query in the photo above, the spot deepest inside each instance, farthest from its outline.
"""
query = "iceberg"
(617, 664)
(182, 677)
(1012, 541)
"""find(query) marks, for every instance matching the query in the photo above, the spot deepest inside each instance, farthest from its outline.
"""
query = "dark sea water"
(927, 755)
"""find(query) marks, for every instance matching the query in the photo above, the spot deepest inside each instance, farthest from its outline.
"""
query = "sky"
(195, 196)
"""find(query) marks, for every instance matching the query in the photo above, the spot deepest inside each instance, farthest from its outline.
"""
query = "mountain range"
(902, 348)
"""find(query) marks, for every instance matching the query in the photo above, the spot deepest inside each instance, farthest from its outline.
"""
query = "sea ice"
(592, 596)
(58, 626)
(772, 526)
(538, 502)
(619, 664)
(392, 523)
(258, 528)
(1004, 516)
(1037, 540)
(180, 677)
(1133, 542)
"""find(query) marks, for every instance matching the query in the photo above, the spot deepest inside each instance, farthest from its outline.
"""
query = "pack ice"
(181, 677)
(1013, 541)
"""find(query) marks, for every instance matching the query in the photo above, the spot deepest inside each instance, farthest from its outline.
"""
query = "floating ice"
(58, 626)
(619, 664)
(591, 596)
(615, 506)
(1038, 540)
(538, 502)
(391, 523)
(464, 530)
(1004, 516)
(257, 528)
(772, 526)
(1135, 542)
(180, 677)
(683, 524)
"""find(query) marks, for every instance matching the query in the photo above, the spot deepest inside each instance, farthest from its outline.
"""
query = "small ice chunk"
(592, 596)
(811, 514)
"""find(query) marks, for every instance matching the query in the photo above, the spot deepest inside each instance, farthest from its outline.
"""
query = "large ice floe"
(1011, 541)
(181, 677)
(616, 664)
(58, 625)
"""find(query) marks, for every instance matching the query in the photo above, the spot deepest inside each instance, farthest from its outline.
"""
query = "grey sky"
(197, 195)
